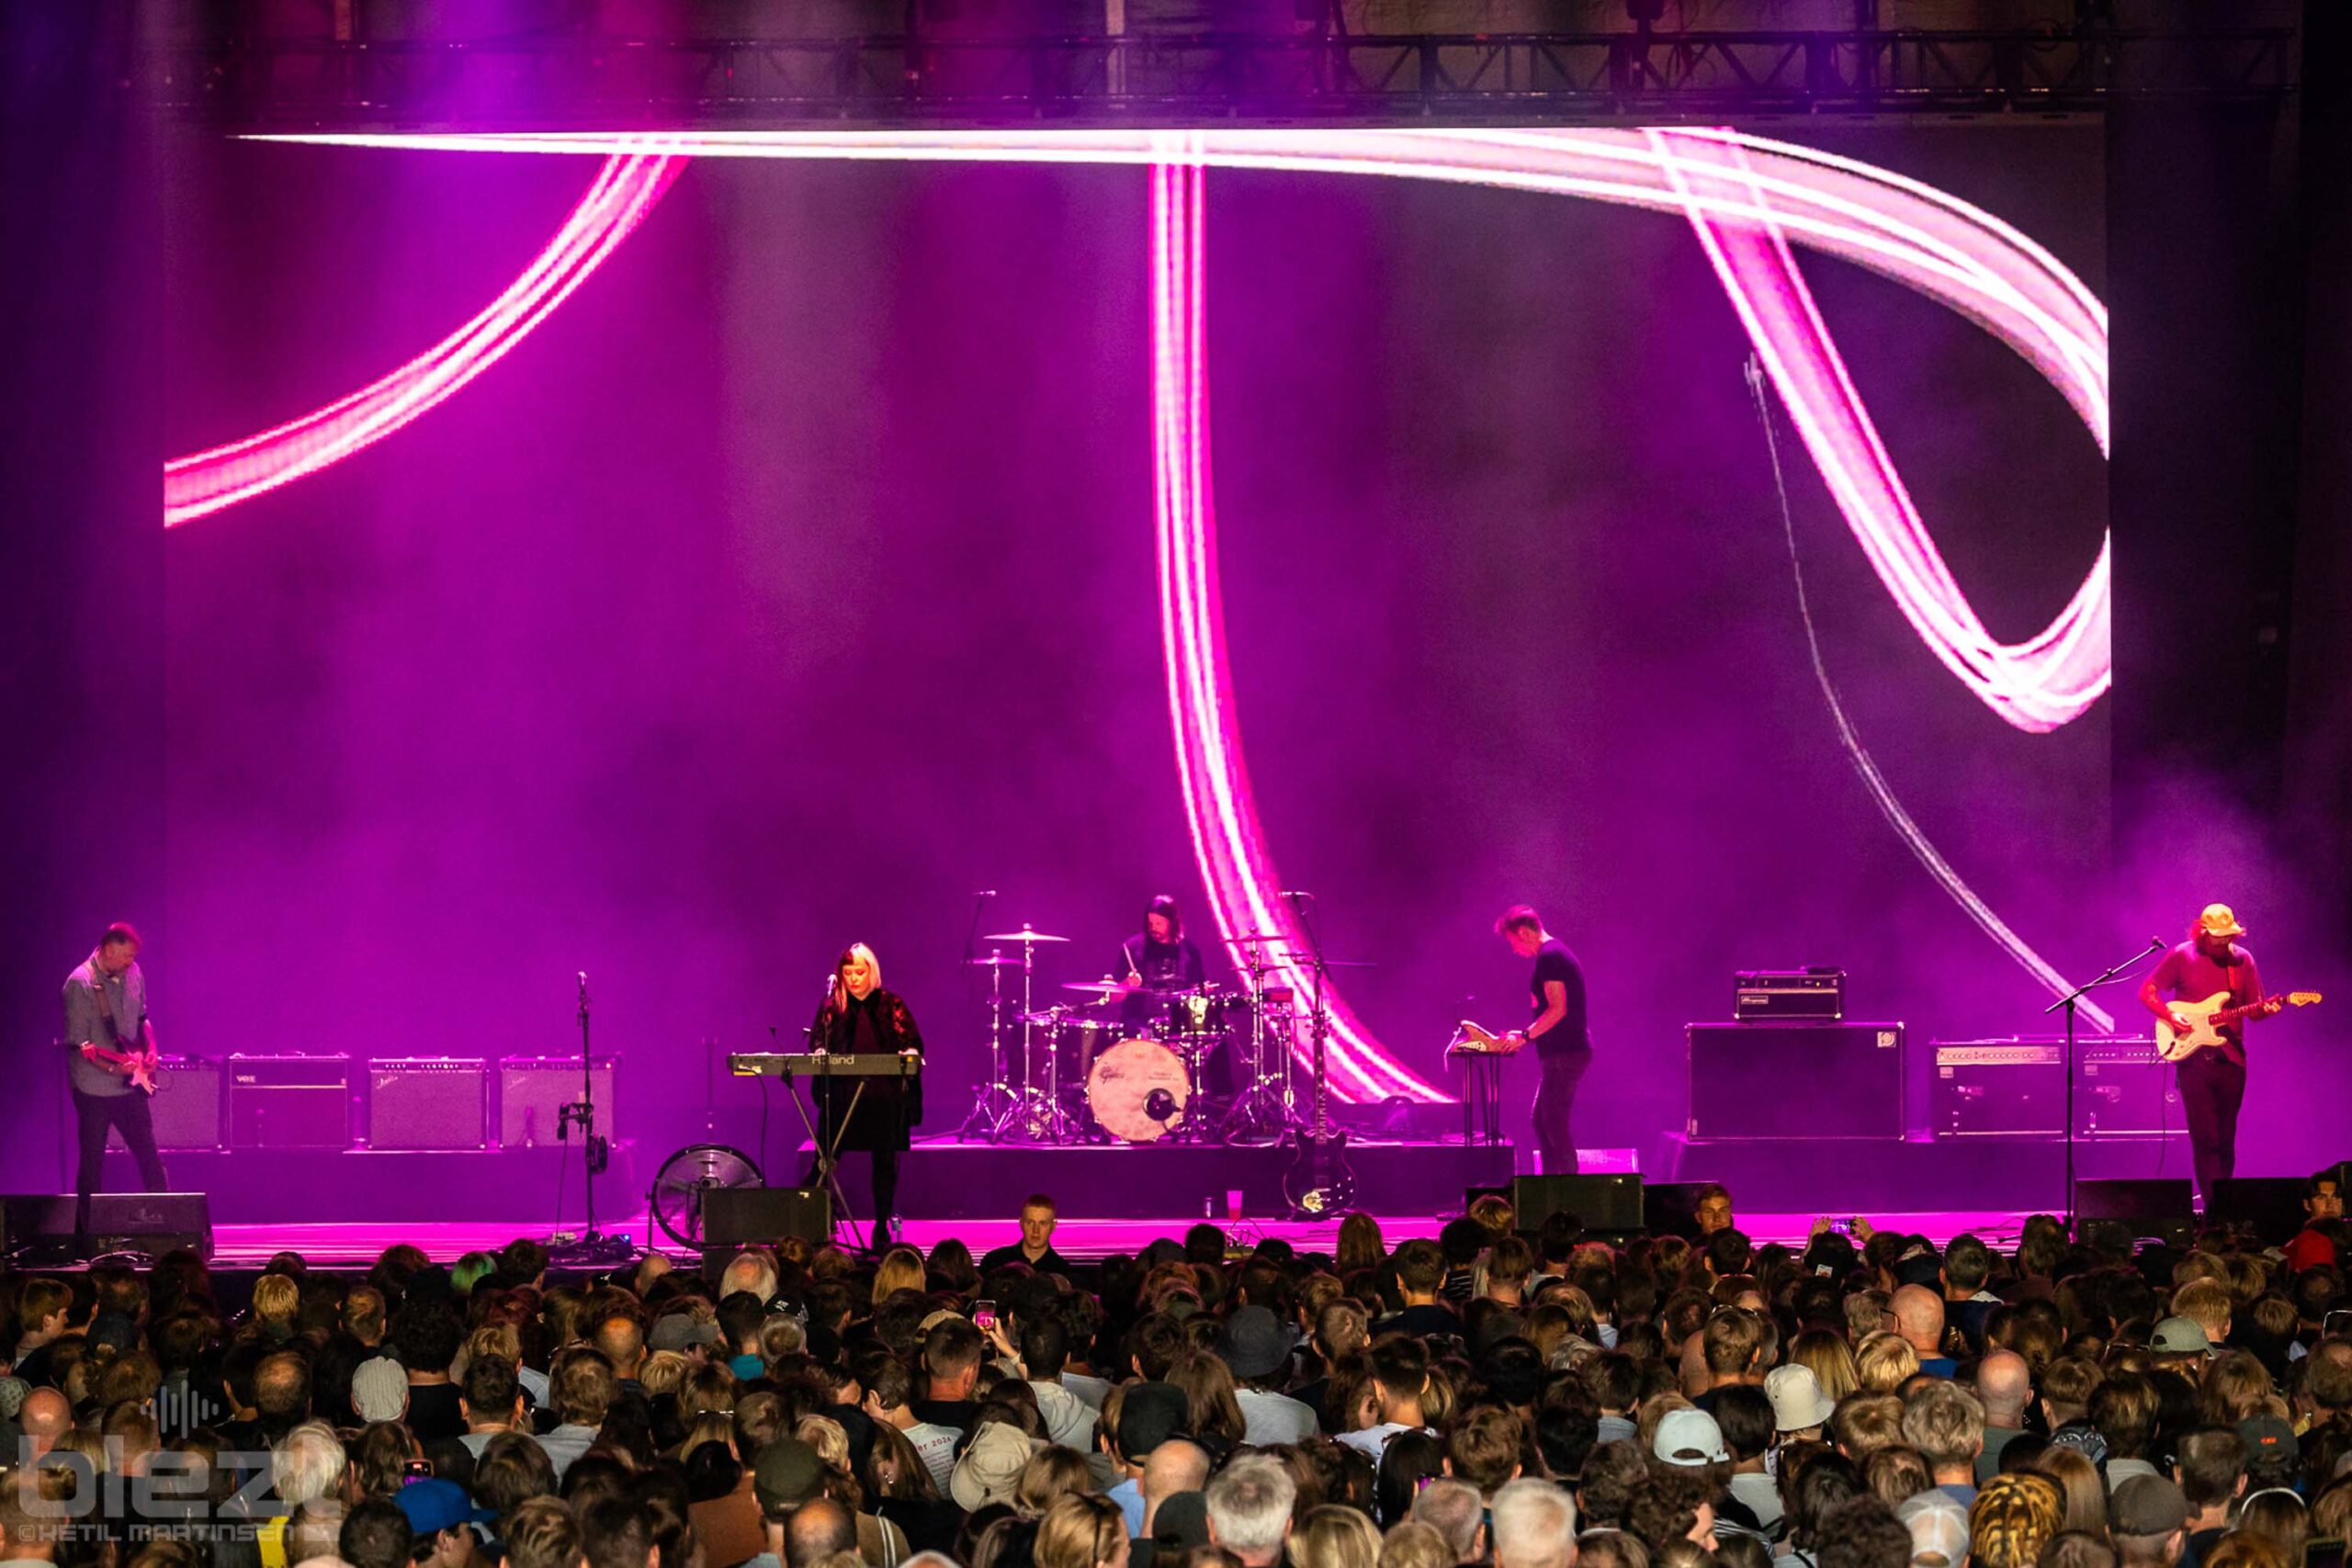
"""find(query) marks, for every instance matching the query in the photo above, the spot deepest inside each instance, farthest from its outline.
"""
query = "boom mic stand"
(2069, 1002)
(593, 1249)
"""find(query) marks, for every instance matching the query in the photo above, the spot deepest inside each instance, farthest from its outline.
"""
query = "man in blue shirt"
(108, 1030)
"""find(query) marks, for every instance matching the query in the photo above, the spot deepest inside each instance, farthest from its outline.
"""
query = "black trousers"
(92, 1114)
(2211, 1089)
(1555, 1099)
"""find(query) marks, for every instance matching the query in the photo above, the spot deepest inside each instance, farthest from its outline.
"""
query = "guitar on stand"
(2214, 1025)
(1319, 1182)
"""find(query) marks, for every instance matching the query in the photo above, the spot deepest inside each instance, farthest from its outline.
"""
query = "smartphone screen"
(2324, 1554)
(984, 1315)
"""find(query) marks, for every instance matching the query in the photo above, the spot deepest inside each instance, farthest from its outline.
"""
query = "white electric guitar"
(2208, 1019)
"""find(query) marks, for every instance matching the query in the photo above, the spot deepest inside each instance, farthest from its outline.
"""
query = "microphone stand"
(2069, 1001)
(593, 1249)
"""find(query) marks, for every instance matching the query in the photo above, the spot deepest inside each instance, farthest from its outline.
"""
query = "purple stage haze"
(794, 581)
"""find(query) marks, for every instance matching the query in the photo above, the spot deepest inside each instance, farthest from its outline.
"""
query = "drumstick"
(1129, 956)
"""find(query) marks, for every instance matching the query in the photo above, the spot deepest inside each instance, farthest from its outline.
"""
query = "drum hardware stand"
(1036, 1120)
(593, 1249)
(994, 1106)
(1262, 1110)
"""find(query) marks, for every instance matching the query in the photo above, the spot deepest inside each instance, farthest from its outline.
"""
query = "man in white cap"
(1799, 1410)
(2212, 1079)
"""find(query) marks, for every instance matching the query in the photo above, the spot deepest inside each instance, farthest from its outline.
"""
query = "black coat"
(890, 1107)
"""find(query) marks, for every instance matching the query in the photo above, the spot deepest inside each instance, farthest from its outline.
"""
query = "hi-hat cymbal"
(1024, 934)
(1094, 988)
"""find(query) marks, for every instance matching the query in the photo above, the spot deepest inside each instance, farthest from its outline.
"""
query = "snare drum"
(1138, 1090)
(1201, 1013)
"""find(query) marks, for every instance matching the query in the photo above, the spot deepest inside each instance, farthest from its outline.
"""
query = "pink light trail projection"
(205, 482)
(1727, 184)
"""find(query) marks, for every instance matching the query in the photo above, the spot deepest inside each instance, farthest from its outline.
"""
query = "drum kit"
(1114, 1063)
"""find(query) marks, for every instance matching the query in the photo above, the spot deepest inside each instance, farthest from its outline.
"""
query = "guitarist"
(2212, 1082)
(109, 1033)
(1557, 1031)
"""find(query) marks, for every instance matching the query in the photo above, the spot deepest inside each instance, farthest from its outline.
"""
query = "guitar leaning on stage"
(139, 1066)
(1319, 1183)
(2209, 1018)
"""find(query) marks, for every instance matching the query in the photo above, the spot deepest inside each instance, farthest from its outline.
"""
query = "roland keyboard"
(821, 1064)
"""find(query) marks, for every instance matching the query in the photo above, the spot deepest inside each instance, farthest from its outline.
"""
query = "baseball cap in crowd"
(1923, 1269)
(679, 1331)
(1797, 1400)
(1938, 1529)
(1182, 1518)
(379, 1389)
(2270, 1441)
(1151, 1414)
(2147, 1505)
(786, 1475)
(435, 1506)
(1689, 1439)
(2179, 1336)
(1254, 1342)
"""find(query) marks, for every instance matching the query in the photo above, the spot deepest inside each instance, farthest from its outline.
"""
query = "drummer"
(1155, 964)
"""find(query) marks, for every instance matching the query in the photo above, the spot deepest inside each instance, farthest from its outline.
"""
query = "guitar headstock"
(2301, 999)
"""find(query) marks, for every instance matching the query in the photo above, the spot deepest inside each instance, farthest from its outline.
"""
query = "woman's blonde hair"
(1052, 1474)
(276, 1297)
(1081, 1530)
(1832, 1364)
(901, 1269)
(1331, 1536)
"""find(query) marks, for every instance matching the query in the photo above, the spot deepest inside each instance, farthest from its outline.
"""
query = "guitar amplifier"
(427, 1102)
(1815, 992)
(1796, 1080)
(289, 1102)
(532, 1092)
(186, 1107)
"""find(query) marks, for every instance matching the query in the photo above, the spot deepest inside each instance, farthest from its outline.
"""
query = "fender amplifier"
(533, 1091)
(186, 1107)
(1997, 1088)
(1796, 1080)
(289, 1102)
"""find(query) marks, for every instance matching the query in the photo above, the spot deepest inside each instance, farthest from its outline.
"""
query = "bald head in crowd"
(1174, 1466)
(45, 1417)
(2005, 1384)
(1920, 1318)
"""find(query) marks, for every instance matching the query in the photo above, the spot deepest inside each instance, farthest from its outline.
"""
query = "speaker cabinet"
(151, 1221)
(426, 1102)
(532, 1092)
(2269, 1206)
(1609, 1202)
(734, 1217)
(289, 1102)
(2147, 1208)
(1796, 1080)
(186, 1107)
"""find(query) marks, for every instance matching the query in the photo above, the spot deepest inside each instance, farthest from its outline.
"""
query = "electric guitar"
(2210, 1018)
(139, 1066)
(1319, 1182)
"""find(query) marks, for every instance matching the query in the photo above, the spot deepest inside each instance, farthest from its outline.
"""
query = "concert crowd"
(1528, 1397)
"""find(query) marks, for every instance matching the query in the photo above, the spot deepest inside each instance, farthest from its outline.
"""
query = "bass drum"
(1138, 1090)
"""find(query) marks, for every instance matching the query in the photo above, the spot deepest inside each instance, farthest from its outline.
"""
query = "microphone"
(2156, 941)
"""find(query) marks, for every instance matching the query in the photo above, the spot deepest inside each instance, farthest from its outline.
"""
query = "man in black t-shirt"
(1556, 1030)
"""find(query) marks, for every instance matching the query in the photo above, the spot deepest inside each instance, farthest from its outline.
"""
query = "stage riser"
(979, 1181)
(331, 1186)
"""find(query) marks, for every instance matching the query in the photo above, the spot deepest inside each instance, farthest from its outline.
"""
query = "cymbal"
(1024, 934)
(995, 962)
(1094, 988)
(1249, 938)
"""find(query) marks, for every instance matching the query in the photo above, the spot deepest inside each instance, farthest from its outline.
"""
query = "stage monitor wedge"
(746, 1216)
(151, 1223)
(1612, 1202)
